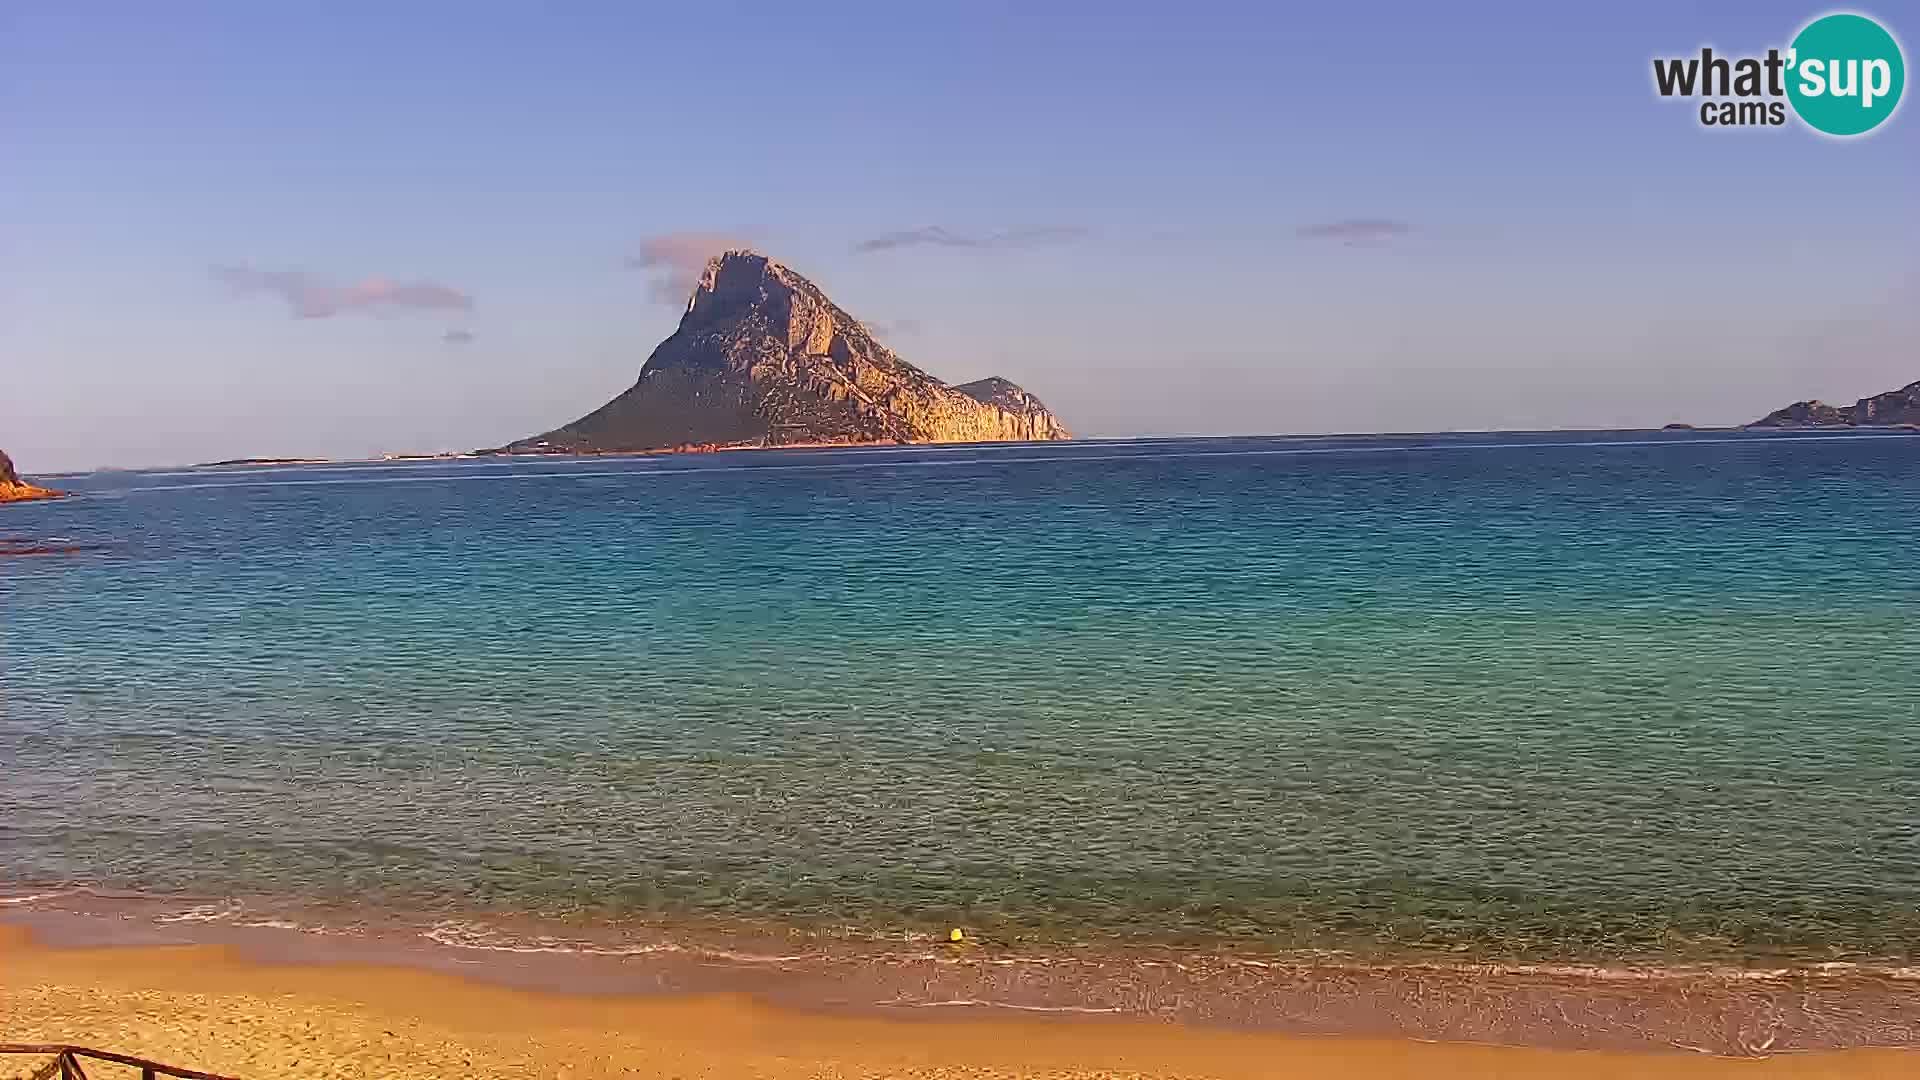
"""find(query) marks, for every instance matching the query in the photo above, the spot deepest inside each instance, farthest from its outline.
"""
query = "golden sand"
(208, 1008)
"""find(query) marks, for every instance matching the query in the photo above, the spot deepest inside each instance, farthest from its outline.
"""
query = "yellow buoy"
(956, 936)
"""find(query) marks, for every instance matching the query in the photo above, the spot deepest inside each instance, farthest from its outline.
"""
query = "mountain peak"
(763, 358)
(741, 276)
(733, 262)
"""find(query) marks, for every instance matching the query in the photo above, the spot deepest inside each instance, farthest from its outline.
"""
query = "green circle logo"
(1845, 74)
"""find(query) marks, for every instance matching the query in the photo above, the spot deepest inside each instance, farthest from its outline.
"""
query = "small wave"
(480, 938)
(231, 912)
(1595, 972)
(206, 913)
(34, 897)
(458, 935)
(284, 924)
(978, 1003)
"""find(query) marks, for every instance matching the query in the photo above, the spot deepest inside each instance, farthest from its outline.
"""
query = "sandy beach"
(207, 1007)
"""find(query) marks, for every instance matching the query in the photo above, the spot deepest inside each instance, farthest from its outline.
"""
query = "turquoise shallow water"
(1535, 696)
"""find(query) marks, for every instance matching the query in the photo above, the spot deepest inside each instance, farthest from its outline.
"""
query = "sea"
(1441, 735)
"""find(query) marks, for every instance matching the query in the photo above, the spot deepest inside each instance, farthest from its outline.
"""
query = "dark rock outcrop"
(1895, 407)
(14, 489)
(763, 358)
(261, 461)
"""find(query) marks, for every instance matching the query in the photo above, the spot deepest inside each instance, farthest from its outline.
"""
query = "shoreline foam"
(215, 1008)
(1717, 1011)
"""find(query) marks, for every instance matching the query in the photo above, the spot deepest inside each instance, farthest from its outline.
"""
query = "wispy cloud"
(1356, 231)
(457, 337)
(678, 258)
(1027, 236)
(312, 297)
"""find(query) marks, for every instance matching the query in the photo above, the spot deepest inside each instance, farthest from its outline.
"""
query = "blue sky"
(1141, 196)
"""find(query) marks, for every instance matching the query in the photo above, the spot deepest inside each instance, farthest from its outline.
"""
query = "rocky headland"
(1891, 409)
(14, 489)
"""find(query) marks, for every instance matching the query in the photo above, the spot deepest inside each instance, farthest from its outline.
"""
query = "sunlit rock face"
(763, 358)
(14, 489)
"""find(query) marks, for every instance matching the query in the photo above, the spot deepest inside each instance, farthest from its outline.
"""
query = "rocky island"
(261, 461)
(763, 358)
(14, 489)
(1893, 408)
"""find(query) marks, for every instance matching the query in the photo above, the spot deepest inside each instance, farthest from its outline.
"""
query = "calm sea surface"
(1558, 697)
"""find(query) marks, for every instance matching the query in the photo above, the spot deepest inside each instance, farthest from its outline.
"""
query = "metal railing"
(65, 1062)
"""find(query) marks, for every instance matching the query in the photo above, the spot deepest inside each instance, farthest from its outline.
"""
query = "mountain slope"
(1900, 406)
(762, 357)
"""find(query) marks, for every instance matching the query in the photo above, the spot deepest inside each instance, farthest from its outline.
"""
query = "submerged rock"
(763, 358)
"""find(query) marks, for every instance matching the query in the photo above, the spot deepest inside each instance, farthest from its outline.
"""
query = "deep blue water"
(1544, 696)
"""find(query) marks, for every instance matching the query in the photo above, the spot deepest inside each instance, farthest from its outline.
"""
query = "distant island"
(262, 461)
(1891, 409)
(438, 455)
(14, 489)
(763, 358)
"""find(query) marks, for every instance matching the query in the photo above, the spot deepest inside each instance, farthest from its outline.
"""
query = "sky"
(354, 228)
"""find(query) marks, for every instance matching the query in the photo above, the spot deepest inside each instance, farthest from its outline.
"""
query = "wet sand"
(1743, 1011)
(210, 1007)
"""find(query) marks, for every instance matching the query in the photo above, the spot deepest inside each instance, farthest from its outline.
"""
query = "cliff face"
(762, 357)
(1900, 406)
(1011, 399)
(14, 489)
